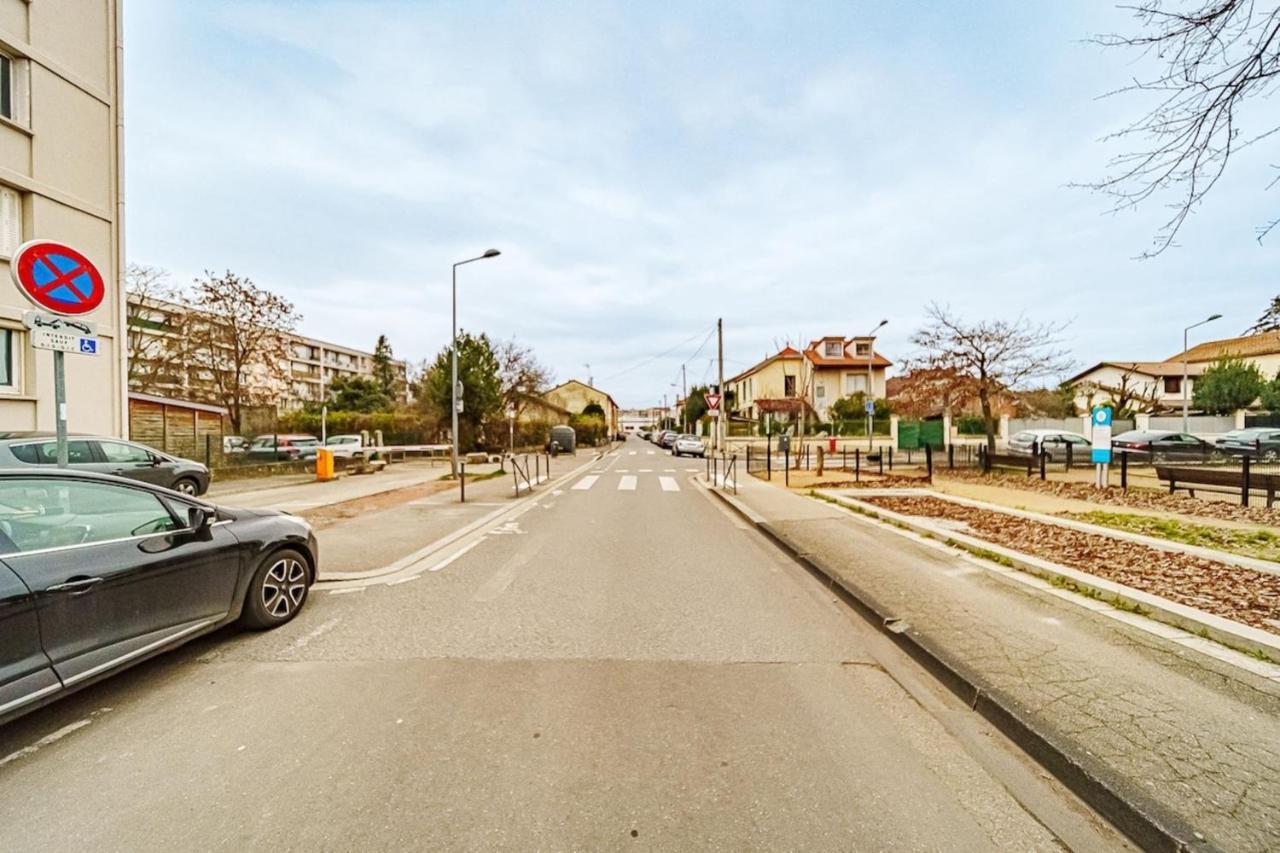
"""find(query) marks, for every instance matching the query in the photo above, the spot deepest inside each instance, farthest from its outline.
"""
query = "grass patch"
(1258, 543)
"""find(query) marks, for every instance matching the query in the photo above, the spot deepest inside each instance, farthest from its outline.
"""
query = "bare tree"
(1128, 396)
(1212, 57)
(155, 333)
(993, 355)
(239, 335)
(520, 373)
(1269, 321)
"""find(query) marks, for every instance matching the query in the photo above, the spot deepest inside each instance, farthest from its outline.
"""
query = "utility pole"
(684, 392)
(724, 403)
(590, 378)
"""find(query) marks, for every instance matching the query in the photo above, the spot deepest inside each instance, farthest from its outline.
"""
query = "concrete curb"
(445, 541)
(1147, 823)
(1228, 632)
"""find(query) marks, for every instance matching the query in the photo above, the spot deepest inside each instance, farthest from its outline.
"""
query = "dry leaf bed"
(1235, 593)
(1180, 502)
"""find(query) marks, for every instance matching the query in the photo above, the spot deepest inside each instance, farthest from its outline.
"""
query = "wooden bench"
(1219, 480)
(1008, 460)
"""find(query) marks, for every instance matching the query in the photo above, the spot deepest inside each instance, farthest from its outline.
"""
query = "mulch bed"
(1235, 593)
(1141, 498)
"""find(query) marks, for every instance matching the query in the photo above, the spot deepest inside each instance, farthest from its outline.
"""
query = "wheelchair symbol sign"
(88, 346)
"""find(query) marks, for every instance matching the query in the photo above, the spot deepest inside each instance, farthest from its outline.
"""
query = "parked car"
(105, 455)
(1053, 443)
(1258, 443)
(1160, 445)
(98, 573)
(688, 444)
(344, 445)
(283, 448)
(667, 438)
(234, 444)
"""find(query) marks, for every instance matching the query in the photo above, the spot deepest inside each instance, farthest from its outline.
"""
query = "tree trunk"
(988, 423)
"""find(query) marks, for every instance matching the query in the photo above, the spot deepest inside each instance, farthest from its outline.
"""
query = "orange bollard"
(324, 465)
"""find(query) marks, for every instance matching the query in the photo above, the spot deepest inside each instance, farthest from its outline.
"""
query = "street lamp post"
(1185, 382)
(871, 397)
(453, 351)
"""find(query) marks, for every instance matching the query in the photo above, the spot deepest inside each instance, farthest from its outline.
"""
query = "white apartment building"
(60, 179)
(314, 364)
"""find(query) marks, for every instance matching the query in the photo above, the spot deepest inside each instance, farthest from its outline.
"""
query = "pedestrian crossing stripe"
(585, 483)
(627, 483)
(669, 484)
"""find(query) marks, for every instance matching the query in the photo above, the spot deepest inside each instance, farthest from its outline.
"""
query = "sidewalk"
(294, 492)
(1175, 747)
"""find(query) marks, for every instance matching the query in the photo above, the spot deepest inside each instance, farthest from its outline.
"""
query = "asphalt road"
(619, 663)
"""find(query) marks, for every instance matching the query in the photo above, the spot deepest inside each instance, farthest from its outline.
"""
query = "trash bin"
(831, 445)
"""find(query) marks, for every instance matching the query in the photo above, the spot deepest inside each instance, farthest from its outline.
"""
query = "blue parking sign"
(1101, 418)
(88, 346)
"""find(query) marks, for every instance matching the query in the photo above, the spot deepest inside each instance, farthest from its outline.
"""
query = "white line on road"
(456, 554)
(44, 741)
(346, 590)
(650, 452)
(623, 470)
(669, 484)
(585, 483)
(632, 453)
(668, 470)
(646, 470)
(627, 484)
(403, 580)
(303, 641)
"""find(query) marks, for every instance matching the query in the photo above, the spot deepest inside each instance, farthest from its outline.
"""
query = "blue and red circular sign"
(57, 278)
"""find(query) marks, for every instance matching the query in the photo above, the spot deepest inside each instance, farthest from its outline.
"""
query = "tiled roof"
(788, 352)
(1146, 368)
(1266, 343)
(811, 353)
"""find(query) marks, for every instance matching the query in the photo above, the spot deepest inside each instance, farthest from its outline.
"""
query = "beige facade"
(314, 364)
(828, 369)
(60, 179)
(576, 396)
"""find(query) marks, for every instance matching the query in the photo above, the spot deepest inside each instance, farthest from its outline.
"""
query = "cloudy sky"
(798, 169)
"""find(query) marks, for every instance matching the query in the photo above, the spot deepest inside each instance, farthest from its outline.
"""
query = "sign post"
(58, 279)
(1101, 440)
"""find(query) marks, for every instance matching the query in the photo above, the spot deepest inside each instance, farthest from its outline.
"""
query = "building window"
(834, 349)
(10, 221)
(6, 86)
(820, 392)
(788, 386)
(863, 349)
(1173, 385)
(9, 362)
(854, 382)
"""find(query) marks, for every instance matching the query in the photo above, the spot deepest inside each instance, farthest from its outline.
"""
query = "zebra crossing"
(643, 480)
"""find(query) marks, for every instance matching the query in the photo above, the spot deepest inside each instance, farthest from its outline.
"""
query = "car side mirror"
(198, 519)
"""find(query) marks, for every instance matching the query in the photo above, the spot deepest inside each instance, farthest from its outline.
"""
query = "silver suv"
(104, 455)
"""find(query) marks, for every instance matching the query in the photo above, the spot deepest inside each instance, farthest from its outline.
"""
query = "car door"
(26, 673)
(134, 461)
(114, 571)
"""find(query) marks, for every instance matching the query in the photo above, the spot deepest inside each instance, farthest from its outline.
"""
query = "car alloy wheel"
(1270, 456)
(185, 486)
(284, 587)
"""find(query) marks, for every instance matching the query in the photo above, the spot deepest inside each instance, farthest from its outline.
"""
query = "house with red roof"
(792, 381)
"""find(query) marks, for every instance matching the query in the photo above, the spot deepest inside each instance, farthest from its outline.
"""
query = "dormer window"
(863, 349)
(833, 349)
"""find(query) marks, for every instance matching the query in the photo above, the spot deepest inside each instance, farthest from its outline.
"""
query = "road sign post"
(1101, 441)
(58, 279)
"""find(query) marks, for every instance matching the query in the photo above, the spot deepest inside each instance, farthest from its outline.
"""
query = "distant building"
(1153, 386)
(160, 365)
(575, 396)
(60, 176)
(791, 381)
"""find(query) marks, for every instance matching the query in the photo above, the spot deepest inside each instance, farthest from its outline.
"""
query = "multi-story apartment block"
(60, 174)
(162, 364)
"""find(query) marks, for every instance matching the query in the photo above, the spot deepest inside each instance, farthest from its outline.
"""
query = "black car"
(1261, 444)
(98, 573)
(106, 455)
(1159, 445)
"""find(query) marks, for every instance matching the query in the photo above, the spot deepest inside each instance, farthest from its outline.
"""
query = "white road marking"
(668, 470)
(627, 484)
(623, 470)
(511, 528)
(651, 452)
(456, 554)
(305, 640)
(669, 484)
(646, 470)
(347, 590)
(632, 453)
(45, 741)
(585, 483)
(555, 493)
(403, 580)
(693, 470)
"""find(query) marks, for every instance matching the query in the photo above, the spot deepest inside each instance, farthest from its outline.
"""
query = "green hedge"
(970, 425)
(396, 428)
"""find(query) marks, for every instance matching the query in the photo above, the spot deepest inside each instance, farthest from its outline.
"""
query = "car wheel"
(1271, 456)
(187, 486)
(277, 592)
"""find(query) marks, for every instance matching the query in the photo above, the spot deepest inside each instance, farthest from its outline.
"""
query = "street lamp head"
(1214, 317)
(491, 253)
